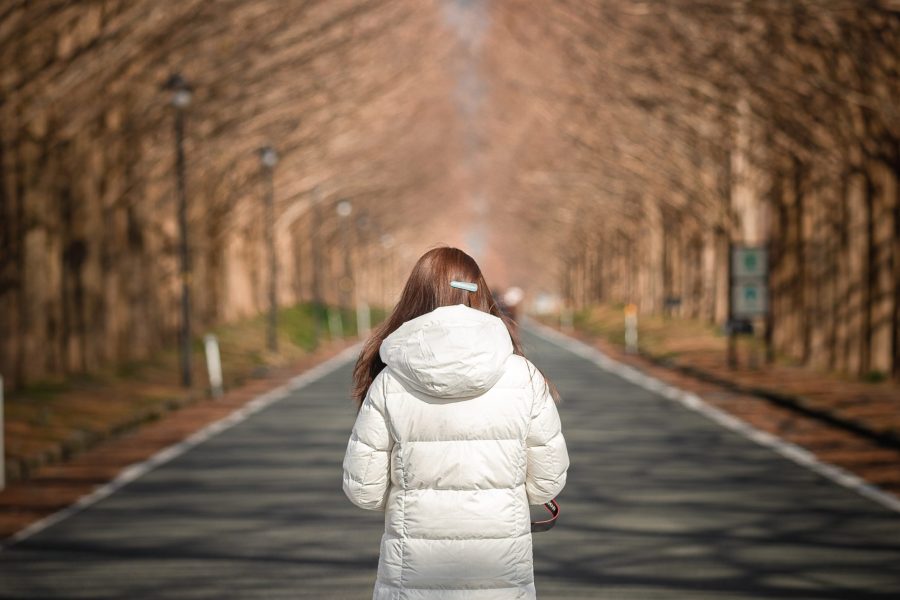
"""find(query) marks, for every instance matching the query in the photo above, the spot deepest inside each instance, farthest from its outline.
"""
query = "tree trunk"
(801, 291)
(895, 321)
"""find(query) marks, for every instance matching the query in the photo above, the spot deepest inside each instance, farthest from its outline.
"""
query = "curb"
(21, 469)
(693, 402)
(136, 470)
(796, 403)
(885, 439)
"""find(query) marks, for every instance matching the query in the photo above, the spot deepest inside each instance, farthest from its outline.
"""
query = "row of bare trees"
(657, 132)
(350, 94)
(609, 150)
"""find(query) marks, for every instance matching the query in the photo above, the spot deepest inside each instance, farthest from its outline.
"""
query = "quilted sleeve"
(368, 456)
(548, 459)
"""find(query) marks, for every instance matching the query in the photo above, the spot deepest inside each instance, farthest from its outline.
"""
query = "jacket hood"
(451, 352)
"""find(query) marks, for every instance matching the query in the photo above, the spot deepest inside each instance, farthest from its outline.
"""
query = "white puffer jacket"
(456, 437)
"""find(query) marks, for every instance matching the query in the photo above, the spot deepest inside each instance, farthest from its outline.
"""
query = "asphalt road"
(660, 503)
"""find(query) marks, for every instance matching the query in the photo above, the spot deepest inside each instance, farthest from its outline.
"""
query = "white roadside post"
(363, 320)
(631, 331)
(2, 441)
(213, 364)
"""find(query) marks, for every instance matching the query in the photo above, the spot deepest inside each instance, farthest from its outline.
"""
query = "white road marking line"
(132, 472)
(791, 451)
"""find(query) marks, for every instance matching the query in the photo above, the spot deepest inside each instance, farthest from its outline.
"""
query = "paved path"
(661, 503)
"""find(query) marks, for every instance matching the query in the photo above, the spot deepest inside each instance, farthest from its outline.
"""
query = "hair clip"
(462, 285)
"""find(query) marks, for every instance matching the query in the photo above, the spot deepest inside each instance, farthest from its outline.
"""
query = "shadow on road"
(660, 503)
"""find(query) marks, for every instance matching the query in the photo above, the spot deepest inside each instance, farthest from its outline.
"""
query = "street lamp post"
(316, 255)
(344, 208)
(180, 100)
(387, 242)
(268, 157)
(362, 287)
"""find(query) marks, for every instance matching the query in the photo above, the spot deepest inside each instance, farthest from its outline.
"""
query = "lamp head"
(268, 157)
(181, 91)
(344, 208)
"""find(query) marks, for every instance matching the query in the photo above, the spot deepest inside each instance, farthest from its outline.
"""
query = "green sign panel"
(748, 262)
(749, 282)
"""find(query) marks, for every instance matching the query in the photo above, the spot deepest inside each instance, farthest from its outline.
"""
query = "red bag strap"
(546, 525)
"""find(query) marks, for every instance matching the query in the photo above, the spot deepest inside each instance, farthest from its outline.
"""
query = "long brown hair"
(428, 288)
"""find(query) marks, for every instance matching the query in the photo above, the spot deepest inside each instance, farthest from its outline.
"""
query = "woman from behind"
(457, 434)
